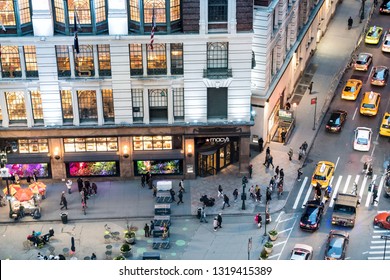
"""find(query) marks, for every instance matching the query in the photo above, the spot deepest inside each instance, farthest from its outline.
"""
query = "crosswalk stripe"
(382, 182)
(369, 194)
(379, 258)
(300, 193)
(362, 187)
(308, 192)
(378, 252)
(335, 191)
(347, 184)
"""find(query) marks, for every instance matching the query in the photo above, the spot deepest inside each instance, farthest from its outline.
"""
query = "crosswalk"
(344, 184)
(379, 248)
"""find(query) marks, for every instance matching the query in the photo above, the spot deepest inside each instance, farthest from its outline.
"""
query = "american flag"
(153, 29)
(76, 38)
(3, 27)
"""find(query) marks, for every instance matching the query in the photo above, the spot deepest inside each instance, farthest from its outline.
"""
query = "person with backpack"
(225, 201)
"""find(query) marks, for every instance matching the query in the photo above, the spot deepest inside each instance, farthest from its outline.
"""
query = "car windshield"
(310, 215)
(351, 89)
(368, 106)
(335, 119)
(379, 75)
(335, 247)
(344, 209)
(319, 177)
(298, 255)
(373, 33)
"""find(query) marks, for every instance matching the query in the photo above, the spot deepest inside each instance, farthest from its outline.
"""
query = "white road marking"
(362, 187)
(337, 162)
(335, 191)
(300, 193)
(277, 219)
(354, 114)
(369, 194)
(373, 149)
(378, 258)
(380, 187)
(288, 236)
(309, 191)
(347, 184)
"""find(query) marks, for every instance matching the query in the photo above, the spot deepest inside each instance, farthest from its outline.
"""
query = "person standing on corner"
(304, 147)
(283, 135)
(151, 228)
(290, 154)
(63, 201)
(147, 230)
(261, 143)
(281, 174)
(172, 192)
(219, 220)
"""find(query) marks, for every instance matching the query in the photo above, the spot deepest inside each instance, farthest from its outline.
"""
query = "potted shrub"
(125, 250)
(268, 247)
(273, 234)
(130, 237)
(263, 254)
(119, 258)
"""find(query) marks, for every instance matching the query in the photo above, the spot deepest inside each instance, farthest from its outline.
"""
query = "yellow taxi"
(384, 130)
(351, 89)
(322, 174)
(370, 103)
(373, 35)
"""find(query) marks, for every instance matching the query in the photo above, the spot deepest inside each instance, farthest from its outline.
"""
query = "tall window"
(175, 9)
(66, 105)
(10, 62)
(16, 106)
(217, 10)
(136, 67)
(63, 63)
(100, 10)
(134, 10)
(177, 59)
(59, 10)
(157, 60)
(24, 11)
(83, 11)
(30, 57)
(159, 11)
(138, 104)
(178, 103)
(217, 55)
(84, 61)
(158, 105)
(104, 60)
(12, 24)
(36, 102)
(87, 105)
(7, 13)
(108, 105)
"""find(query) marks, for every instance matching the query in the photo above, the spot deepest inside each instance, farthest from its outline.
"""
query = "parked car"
(311, 217)
(336, 245)
(336, 120)
(384, 129)
(379, 75)
(363, 62)
(373, 35)
(351, 89)
(382, 220)
(302, 252)
(362, 139)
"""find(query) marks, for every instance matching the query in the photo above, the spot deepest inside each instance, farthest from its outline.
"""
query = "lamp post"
(5, 174)
(362, 11)
(385, 237)
(265, 213)
(243, 195)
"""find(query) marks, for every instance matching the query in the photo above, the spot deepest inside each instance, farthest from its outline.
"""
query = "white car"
(302, 252)
(362, 140)
(386, 44)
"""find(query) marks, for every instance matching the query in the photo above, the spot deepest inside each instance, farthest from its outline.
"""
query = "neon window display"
(93, 168)
(27, 169)
(166, 167)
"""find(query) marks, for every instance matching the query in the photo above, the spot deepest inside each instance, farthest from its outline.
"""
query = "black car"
(336, 120)
(336, 245)
(311, 217)
(385, 7)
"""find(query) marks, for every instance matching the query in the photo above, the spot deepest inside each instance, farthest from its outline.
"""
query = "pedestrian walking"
(219, 219)
(299, 174)
(260, 142)
(181, 186)
(203, 215)
(225, 201)
(258, 220)
(290, 154)
(268, 151)
(277, 171)
(69, 186)
(180, 196)
(143, 180)
(272, 183)
(250, 170)
(154, 189)
(34, 176)
(374, 194)
(220, 191)
(151, 228)
(80, 184)
(318, 192)
(304, 147)
(266, 164)
(28, 179)
(235, 195)
(94, 188)
(252, 192)
(258, 195)
(268, 196)
(283, 135)
(172, 192)
(63, 201)
(281, 174)
(270, 161)
(147, 230)
(300, 153)
(215, 223)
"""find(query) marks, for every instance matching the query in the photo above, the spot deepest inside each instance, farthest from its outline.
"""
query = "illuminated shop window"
(63, 63)
(142, 143)
(217, 10)
(104, 60)
(177, 59)
(16, 106)
(92, 168)
(36, 102)
(108, 105)
(100, 144)
(10, 62)
(158, 105)
(157, 60)
(15, 16)
(87, 105)
(28, 146)
(136, 66)
(30, 57)
(137, 97)
(67, 107)
(178, 103)
(84, 61)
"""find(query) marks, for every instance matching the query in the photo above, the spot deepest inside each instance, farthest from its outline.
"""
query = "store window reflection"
(10, 62)
(16, 106)
(15, 16)
(30, 57)
(84, 61)
(67, 107)
(108, 105)
(104, 60)
(87, 105)
(63, 63)
(36, 102)
(157, 60)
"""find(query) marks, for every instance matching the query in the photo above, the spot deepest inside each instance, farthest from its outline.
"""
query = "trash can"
(64, 217)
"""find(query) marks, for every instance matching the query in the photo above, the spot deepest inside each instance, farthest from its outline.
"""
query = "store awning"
(27, 158)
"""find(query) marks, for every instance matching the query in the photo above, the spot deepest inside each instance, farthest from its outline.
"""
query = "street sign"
(385, 237)
(4, 172)
(313, 101)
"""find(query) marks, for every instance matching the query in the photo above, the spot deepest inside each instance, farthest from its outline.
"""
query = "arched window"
(87, 105)
(217, 55)
(16, 106)
(91, 16)
(167, 14)
(158, 105)
(15, 19)
(10, 62)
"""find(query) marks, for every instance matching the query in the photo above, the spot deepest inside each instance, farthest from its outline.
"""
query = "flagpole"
(153, 28)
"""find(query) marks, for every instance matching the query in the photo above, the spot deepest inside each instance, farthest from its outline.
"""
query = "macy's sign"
(218, 140)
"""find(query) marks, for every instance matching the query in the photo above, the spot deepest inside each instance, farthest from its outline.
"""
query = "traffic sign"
(313, 101)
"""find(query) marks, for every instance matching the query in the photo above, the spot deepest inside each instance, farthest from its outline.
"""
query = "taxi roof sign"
(323, 166)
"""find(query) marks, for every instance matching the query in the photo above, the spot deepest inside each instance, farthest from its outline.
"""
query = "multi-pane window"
(30, 57)
(7, 13)
(134, 10)
(100, 10)
(138, 104)
(217, 10)
(27, 146)
(157, 60)
(87, 105)
(108, 105)
(66, 105)
(177, 59)
(82, 9)
(136, 59)
(59, 10)
(158, 142)
(24, 11)
(217, 55)
(159, 11)
(178, 103)
(16, 106)
(104, 60)
(175, 10)
(63, 63)
(84, 61)
(36, 102)
(158, 104)
(10, 62)
(99, 144)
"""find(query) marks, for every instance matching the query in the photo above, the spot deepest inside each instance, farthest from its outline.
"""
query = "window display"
(165, 167)
(93, 168)
(33, 146)
(27, 169)
(100, 144)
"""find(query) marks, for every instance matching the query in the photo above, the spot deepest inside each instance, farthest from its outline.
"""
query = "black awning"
(207, 153)
(27, 158)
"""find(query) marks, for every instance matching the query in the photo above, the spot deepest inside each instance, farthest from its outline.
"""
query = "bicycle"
(112, 234)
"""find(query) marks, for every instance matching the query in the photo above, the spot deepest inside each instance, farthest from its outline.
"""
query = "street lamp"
(5, 174)
(385, 237)
(265, 212)
(362, 11)
(243, 195)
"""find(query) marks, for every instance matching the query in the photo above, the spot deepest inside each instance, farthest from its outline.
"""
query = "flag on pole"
(153, 28)
(76, 39)
(3, 27)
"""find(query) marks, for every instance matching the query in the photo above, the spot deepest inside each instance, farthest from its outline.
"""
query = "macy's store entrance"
(215, 153)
